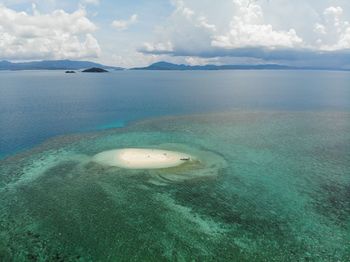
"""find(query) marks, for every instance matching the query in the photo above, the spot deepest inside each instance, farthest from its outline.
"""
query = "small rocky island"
(94, 70)
(70, 72)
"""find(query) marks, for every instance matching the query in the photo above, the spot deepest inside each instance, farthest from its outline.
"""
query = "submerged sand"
(141, 158)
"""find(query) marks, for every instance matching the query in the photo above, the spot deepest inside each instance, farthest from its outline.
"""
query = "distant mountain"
(53, 65)
(169, 66)
(78, 65)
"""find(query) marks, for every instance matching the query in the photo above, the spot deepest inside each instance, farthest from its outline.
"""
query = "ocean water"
(272, 184)
(37, 105)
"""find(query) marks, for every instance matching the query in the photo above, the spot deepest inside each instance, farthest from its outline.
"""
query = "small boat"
(185, 159)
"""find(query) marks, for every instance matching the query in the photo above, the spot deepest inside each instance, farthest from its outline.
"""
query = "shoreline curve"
(142, 158)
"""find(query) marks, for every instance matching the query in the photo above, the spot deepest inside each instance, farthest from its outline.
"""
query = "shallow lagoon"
(277, 189)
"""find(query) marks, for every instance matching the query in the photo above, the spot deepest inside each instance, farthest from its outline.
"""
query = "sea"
(272, 182)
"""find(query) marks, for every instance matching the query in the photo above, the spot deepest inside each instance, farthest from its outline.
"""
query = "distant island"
(169, 66)
(53, 65)
(71, 65)
(70, 72)
(95, 70)
(181, 67)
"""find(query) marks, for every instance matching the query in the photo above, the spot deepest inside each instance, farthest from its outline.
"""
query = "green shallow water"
(271, 186)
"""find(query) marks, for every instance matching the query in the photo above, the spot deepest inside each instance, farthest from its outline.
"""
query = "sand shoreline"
(141, 158)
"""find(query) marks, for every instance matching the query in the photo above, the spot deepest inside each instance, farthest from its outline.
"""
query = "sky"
(131, 33)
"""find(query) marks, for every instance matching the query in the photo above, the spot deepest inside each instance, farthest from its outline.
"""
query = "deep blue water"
(37, 105)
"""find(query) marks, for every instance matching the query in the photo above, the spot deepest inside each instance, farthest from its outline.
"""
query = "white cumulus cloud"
(124, 24)
(182, 9)
(56, 35)
(335, 32)
(196, 31)
(320, 29)
(198, 20)
(202, 22)
(158, 47)
(248, 29)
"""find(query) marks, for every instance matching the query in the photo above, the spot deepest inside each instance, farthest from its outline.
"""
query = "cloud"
(56, 35)
(248, 29)
(194, 31)
(249, 35)
(160, 47)
(334, 33)
(189, 32)
(182, 9)
(202, 22)
(184, 30)
(91, 2)
(124, 24)
(196, 60)
(131, 59)
(189, 14)
(333, 12)
(320, 29)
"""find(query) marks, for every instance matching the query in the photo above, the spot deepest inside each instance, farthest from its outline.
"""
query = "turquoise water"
(272, 185)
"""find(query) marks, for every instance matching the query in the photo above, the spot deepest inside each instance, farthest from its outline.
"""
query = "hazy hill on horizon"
(162, 65)
(52, 65)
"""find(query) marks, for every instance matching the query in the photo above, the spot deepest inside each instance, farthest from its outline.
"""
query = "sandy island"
(141, 158)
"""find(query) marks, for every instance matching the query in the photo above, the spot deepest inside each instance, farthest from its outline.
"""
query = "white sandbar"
(141, 158)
